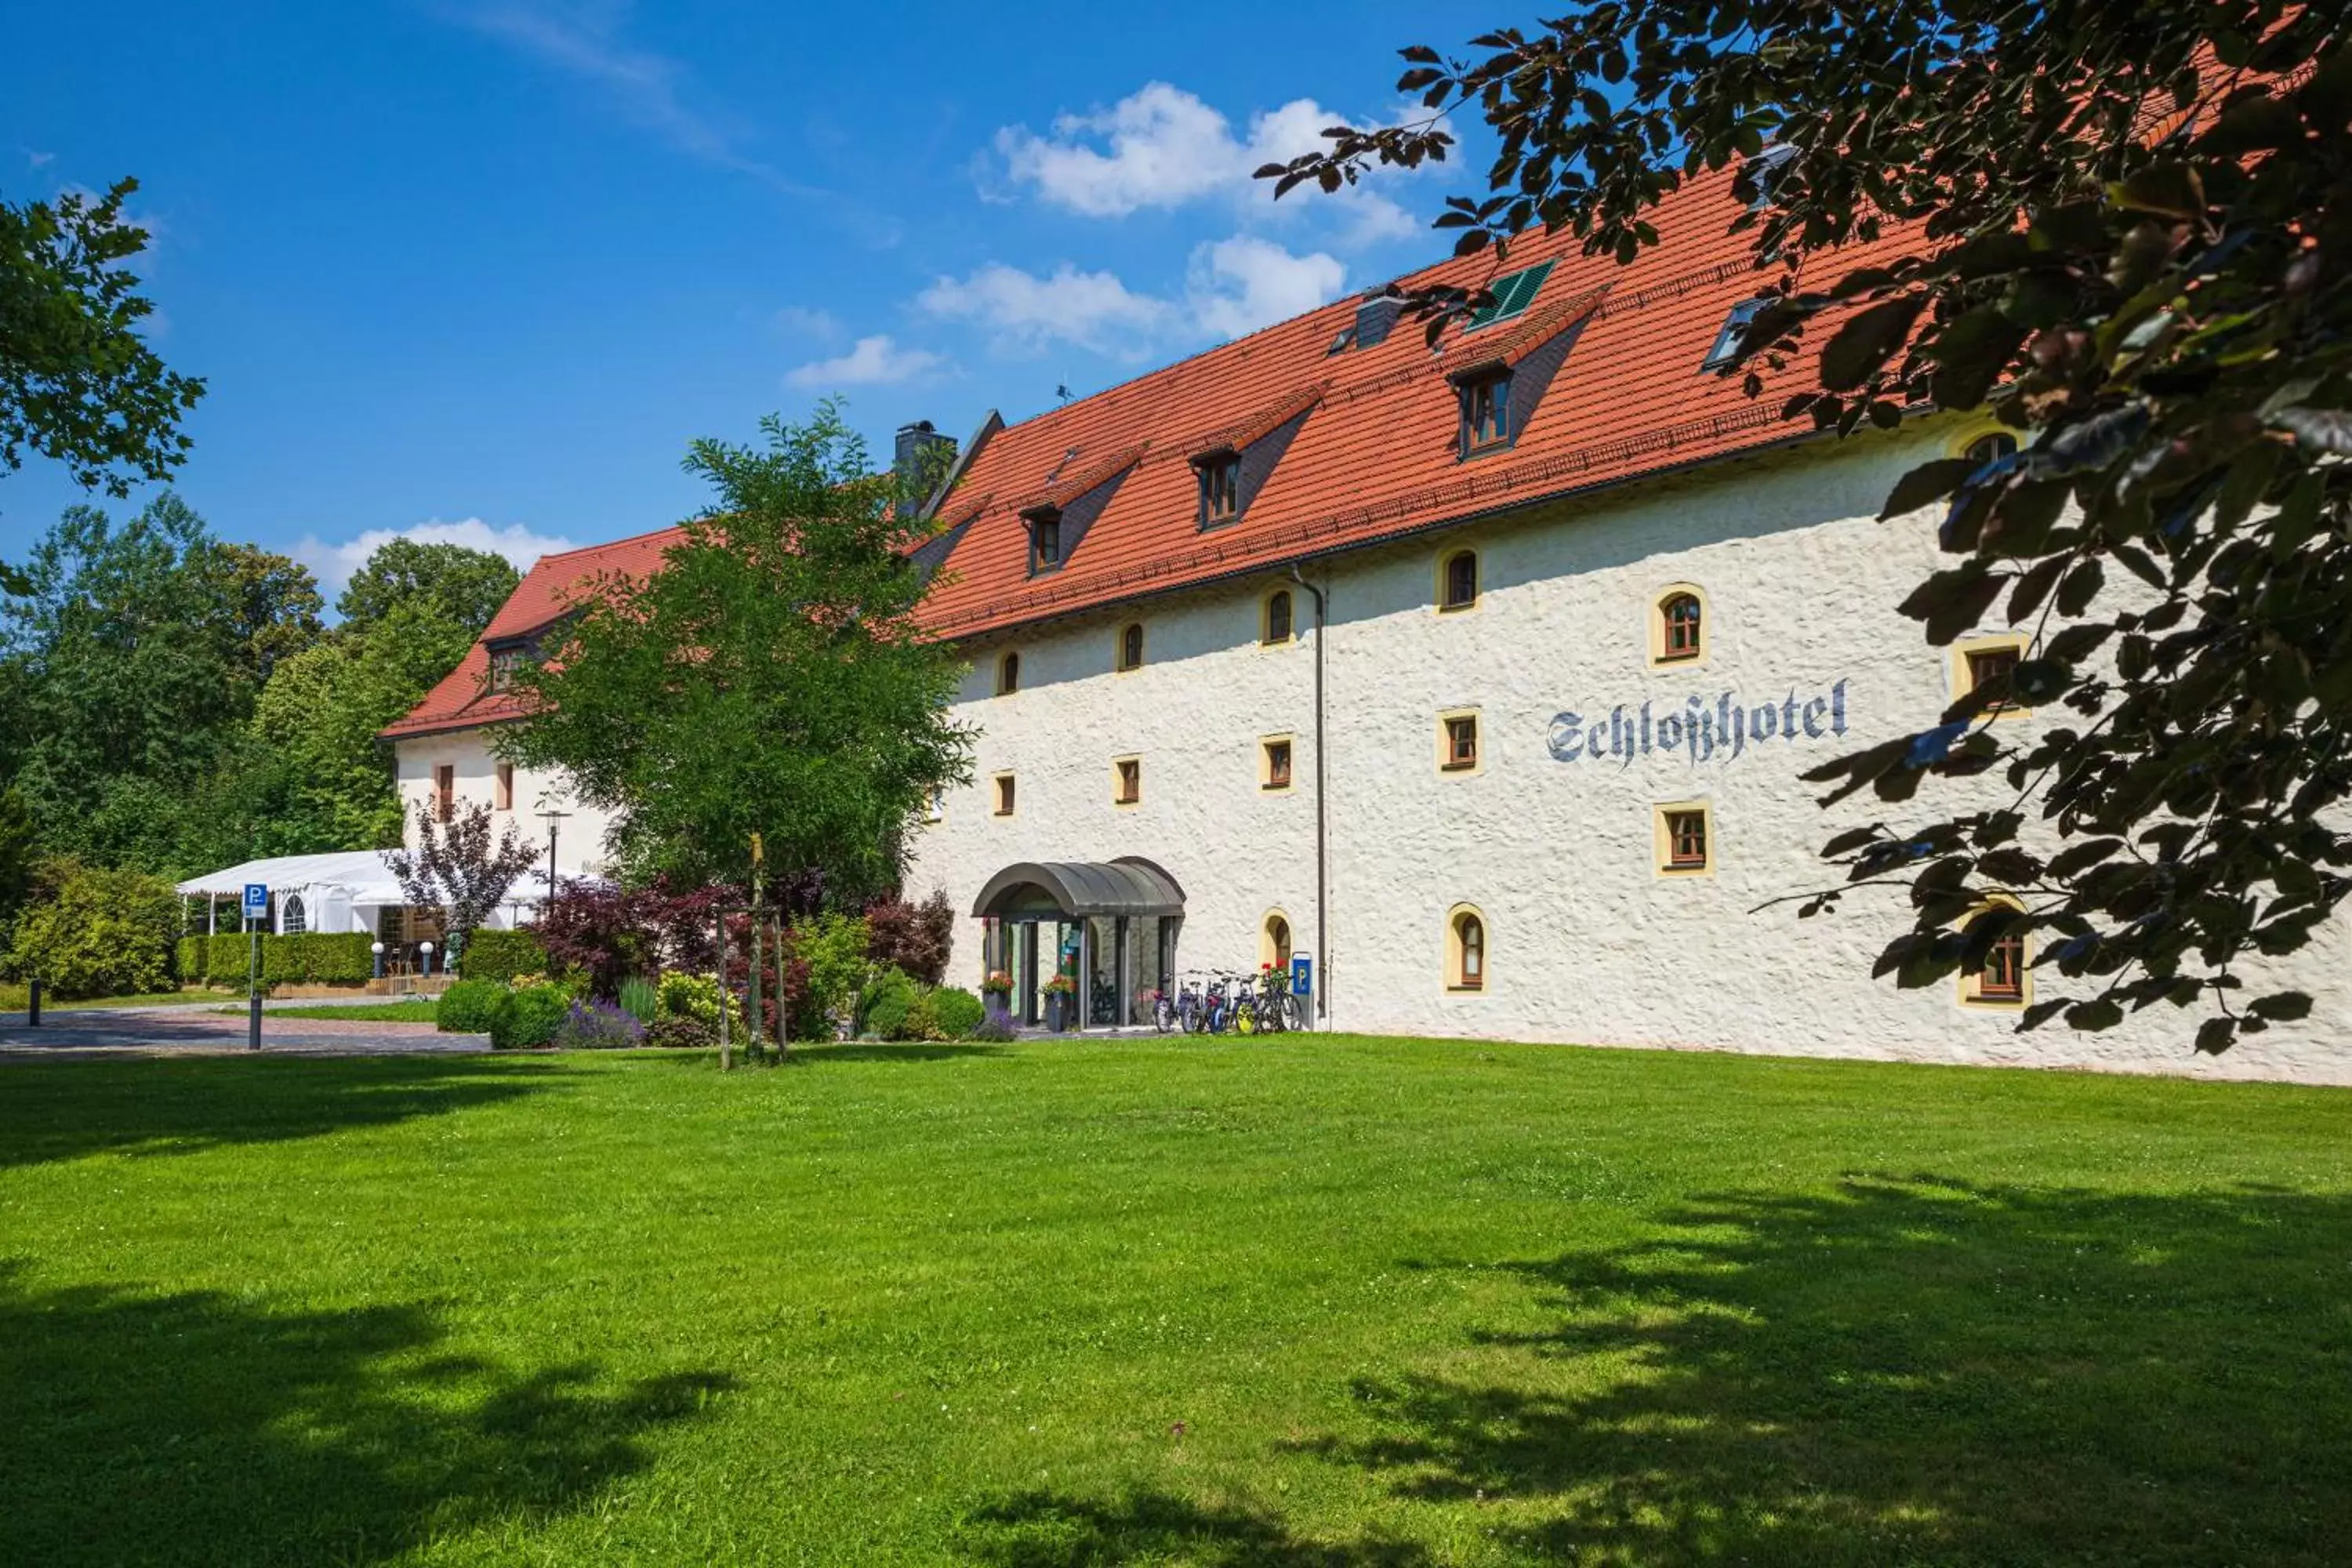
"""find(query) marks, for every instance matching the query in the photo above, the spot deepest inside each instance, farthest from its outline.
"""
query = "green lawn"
(1303, 1303)
(420, 1011)
(17, 996)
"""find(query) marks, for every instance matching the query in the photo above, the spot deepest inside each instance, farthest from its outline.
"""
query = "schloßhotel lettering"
(1696, 729)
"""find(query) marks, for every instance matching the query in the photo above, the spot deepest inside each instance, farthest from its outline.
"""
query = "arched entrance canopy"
(1130, 885)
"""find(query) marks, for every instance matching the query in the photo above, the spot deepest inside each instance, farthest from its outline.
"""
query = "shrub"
(955, 1013)
(833, 948)
(640, 998)
(470, 1008)
(313, 958)
(598, 1026)
(530, 1017)
(501, 956)
(885, 1003)
(915, 937)
(685, 996)
(93, 932)
(682, 1031)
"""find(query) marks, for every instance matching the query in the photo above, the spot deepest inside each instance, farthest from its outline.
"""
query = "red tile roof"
(1376, 456)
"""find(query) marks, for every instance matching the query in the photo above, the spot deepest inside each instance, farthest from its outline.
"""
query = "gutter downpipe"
(1322, 828)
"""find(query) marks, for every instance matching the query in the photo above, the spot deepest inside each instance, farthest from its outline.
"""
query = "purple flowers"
(598, 1026)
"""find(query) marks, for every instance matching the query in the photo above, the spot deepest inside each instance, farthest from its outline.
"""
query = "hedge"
(501, 956)
(313, 958)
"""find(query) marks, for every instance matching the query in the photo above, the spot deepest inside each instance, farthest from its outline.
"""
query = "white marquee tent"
(345, 891)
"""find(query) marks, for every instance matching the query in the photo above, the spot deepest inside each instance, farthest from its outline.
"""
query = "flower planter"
(1057, 1014)
(998, 1006)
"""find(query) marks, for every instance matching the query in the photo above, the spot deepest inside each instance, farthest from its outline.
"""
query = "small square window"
(1220, 488)
(1275, 755)
(1127, 781)
(1005, 796)
(1459, 735)
(1985, 662)
(1685, 838)
(2002, 980)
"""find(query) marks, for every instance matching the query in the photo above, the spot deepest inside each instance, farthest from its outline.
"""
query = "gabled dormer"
(1055, 522)
(1044, 524)
(1229, 466)
(1500, 377)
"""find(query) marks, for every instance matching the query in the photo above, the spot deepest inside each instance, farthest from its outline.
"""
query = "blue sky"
(481, 268)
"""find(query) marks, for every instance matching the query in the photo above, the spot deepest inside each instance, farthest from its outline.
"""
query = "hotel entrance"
(1100, 936)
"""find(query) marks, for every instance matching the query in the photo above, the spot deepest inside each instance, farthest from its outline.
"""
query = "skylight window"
(1726, 352)
(1513, 292)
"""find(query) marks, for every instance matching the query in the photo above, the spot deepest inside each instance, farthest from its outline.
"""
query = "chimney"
(914, 461)
(1375, 312)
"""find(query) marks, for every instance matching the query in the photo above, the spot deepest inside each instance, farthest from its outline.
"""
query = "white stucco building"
(1482, 674)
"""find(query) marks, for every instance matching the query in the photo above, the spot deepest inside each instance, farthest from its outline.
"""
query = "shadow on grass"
(890, 1051)
(63, 1110)
(1914, 1370)
(196, 1429)
(1042, 1530)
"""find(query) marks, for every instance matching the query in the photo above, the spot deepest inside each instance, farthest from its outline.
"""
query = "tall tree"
(77, 384)
(136, 653)
(768, 677)
(2121, 225)
(448, 581)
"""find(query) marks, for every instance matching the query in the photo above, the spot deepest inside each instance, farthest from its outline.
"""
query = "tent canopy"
(1130, 885)
(361, 875)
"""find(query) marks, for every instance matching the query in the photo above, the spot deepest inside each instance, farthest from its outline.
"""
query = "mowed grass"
(422, 1010)
(1306, 1302)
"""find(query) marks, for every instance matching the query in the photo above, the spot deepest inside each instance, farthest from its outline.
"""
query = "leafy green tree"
(2121, 227)
(460, 586)
(77, 382)
(91, 932)
(768, 679)
(134, 655)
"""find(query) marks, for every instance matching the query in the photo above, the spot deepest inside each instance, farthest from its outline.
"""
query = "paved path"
(202, 1031)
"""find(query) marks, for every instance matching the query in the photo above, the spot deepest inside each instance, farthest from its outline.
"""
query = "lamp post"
(553, 818)
(376, 948)
(426, 949)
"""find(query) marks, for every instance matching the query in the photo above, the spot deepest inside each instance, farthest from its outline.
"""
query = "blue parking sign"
(1302, 974)
(257, 901)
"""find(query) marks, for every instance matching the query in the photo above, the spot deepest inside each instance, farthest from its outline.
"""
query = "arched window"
(1277, 618)
(292, 917)
(2001, 980)
(1682, 626)
(1130, 645)
(1457, 587)
(1274, 941)
(1992, 447)
(1008, 675)
(1465, 956)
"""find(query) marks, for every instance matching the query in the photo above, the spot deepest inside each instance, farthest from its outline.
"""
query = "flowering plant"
(997, 981)
(1062, 985)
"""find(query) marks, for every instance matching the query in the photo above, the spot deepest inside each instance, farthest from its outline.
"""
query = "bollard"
(253, 1022)
(33, 1019)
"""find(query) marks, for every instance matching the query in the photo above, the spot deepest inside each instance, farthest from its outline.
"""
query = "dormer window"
(1486, 412)
(1221, 487)
(1044, 538)
(1726, 351)
(504, 663)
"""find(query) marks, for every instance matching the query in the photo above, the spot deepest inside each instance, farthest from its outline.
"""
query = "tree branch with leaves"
(2121, 227)
(461, 866)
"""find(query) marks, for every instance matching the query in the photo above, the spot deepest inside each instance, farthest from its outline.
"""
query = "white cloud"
(801, 321)
(583, 38)
(1232, 287)
(876, 360)
(1239, 285)
(333, 563)
(38, 159)
(1022, 310)
(1164, 147)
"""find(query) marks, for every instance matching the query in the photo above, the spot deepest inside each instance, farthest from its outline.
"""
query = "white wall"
(1587, 941)
(580, 840)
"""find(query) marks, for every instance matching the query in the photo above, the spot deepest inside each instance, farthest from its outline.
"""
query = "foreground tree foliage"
(2122, 226)
(77, 382)
(768, 679)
